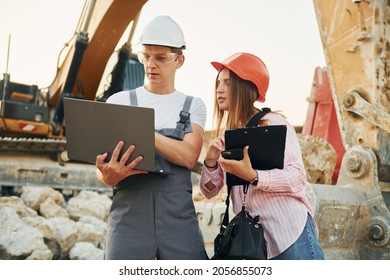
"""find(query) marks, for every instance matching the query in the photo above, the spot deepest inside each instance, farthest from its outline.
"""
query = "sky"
(283, 33)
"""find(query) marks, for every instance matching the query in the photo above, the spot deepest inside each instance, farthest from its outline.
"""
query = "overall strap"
(184, 120)
(133, 97)
(182, 126)
(184, 114)
(187, 103)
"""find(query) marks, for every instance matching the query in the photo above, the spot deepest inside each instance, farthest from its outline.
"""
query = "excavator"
(37, 114)
(32, 128)
(352, 213)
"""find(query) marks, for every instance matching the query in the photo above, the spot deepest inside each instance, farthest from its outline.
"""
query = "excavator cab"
(20, 111)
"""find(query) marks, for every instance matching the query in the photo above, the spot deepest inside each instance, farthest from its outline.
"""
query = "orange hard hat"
(248, 67)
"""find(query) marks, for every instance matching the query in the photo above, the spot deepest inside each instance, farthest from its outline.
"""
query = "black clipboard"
(266, 147)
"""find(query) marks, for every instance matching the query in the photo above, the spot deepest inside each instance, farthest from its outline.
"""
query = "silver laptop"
(93, 128)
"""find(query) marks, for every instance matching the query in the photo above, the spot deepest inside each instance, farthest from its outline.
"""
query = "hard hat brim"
(245, 76)
(217, 65)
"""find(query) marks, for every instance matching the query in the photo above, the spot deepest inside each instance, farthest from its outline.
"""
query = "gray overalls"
(152, 215)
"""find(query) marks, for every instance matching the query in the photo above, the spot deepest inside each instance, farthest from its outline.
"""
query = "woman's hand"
(214, 151)
(114, 171)
(241, 168)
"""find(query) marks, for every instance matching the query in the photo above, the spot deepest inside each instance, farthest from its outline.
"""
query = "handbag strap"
(225, 220)
(254, 121)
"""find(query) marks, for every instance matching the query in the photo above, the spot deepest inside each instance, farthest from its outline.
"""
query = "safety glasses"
(158, 58)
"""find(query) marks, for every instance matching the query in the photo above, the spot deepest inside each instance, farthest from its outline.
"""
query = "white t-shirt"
(167, 107)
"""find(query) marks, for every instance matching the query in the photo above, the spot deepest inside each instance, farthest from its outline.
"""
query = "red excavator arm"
(321, 118)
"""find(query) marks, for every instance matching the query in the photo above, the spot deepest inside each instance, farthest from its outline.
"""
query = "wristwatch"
(254, 182)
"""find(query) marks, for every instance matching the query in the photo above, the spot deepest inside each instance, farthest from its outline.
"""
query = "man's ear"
(180, 61)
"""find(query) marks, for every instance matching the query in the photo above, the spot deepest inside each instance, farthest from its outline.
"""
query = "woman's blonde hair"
(243, 94)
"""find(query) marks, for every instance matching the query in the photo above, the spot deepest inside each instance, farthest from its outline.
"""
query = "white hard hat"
(163, 31)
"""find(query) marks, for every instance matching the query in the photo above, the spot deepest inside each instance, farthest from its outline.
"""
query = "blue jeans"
(307, 246)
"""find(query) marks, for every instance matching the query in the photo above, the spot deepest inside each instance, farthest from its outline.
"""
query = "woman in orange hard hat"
(276, 195)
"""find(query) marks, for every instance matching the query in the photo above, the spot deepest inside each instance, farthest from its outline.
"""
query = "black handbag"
(242, 237)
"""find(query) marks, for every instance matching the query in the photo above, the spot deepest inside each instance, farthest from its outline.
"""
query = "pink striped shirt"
(279, 197)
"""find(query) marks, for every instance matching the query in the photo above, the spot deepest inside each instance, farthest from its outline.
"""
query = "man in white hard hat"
(153, 215)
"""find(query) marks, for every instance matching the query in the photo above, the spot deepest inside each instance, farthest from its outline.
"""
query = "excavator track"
(32, 145)
(36, 162)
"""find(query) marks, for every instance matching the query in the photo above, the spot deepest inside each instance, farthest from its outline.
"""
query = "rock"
(65, 233)
(35, 196)
(49, 208)
(18, 240)
(18, 205)
(41, 255)
(85, 251)
(41, 224)
(319, 158)
(89, 203)
(92, 230)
